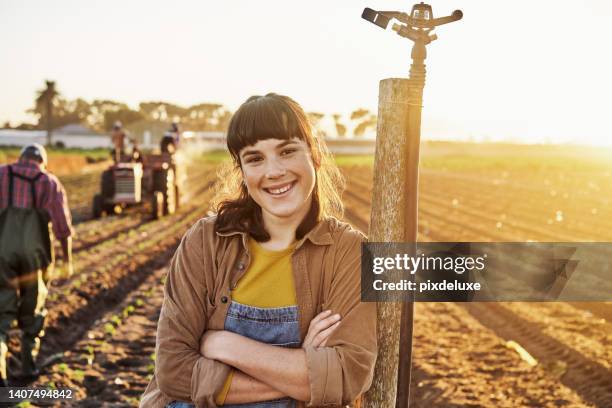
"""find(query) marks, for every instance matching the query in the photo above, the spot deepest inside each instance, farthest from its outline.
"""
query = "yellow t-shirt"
(267, 283)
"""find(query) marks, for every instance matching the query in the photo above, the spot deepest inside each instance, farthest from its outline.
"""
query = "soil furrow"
(114, 362)
(589, 378)
(587, 375)
(522, 215)
(601, 309)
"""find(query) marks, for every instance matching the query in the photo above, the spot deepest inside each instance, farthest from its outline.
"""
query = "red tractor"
(153, 179)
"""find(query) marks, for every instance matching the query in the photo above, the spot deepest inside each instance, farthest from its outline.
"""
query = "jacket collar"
(318, 235)
(30, 164)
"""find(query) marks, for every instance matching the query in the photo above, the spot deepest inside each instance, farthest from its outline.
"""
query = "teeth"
(280, 190)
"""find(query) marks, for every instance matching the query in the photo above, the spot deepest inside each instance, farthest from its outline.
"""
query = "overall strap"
(32, 182)
(33, 188)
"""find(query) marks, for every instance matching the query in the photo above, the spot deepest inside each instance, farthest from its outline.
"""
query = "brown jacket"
(326, 269)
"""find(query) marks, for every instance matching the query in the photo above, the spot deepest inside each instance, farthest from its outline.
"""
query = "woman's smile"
(282, 190)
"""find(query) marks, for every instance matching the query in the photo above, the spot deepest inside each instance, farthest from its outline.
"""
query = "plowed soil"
(100, 334)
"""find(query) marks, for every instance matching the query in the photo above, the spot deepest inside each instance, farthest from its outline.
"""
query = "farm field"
(461, 352)
(100, 333)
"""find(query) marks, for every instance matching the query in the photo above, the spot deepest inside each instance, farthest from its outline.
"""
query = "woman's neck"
(282, 229)
(282, 232)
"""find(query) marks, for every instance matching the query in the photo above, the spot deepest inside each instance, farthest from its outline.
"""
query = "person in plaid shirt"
(30, 199)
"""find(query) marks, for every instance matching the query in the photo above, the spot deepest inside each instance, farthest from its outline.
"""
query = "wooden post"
(395, 194)
(394, 219)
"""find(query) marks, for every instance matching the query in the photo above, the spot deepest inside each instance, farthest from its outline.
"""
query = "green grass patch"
(216, 156)
(12, 152)
(8, 153)
(498, 157)
(354, 160)
(109, 329)
(78, 375)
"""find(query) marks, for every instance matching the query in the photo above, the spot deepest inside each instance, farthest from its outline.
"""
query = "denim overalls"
(277, 326)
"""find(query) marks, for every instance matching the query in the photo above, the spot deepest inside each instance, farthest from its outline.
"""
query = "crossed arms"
(267, 372)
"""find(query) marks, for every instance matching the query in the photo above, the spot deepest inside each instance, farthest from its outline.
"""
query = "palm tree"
(340, 127)
(44, 103)
(367, 120)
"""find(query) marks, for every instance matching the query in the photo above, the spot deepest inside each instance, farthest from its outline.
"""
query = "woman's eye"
(254, 159)
(288, 151)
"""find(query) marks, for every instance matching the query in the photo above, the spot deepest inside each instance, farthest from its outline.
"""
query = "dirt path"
(112, 365)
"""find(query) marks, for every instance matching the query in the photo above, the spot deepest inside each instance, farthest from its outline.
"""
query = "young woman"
(262, 302)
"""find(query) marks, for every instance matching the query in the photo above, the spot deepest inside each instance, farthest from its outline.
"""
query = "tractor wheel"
(110, 209)
(177, 198)
(157, 205)
(107, 184)
(98, 206)
(163, 180)
(160, 178)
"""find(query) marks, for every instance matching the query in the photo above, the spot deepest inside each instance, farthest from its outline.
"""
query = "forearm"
(67, 248)
(246, 389)
(283, 369)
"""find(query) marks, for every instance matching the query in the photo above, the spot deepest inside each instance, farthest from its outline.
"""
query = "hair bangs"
(265, 117)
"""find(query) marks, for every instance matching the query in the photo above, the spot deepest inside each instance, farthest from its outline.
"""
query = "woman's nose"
(275, 169)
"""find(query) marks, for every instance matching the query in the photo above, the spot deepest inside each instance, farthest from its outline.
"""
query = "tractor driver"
(118, 137)
(170, 140)
(30, 197)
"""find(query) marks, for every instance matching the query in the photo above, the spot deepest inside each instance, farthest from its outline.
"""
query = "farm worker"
(262, 304)
(30, 197)
(176, 133)
(118, 137)
(170, 140)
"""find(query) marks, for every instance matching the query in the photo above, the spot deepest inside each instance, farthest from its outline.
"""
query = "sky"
(523, 71)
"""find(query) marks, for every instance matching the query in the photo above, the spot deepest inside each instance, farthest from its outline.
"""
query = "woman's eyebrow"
(249, 152)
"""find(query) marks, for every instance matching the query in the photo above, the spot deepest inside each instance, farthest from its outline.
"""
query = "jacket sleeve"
(182, 373)
(56, 205)
(343, 370)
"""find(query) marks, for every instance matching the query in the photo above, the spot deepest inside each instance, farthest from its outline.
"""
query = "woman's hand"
(321, 327)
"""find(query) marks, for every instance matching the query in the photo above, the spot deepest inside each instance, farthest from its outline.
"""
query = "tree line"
(52, 111)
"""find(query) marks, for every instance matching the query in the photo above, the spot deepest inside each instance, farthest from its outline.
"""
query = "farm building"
(77, 135)
(14, 137)
(72, 135)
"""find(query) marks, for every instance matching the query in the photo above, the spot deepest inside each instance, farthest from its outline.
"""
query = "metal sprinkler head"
(415, 26)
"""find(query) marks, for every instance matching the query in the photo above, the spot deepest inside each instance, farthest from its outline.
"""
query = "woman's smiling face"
(280, 176)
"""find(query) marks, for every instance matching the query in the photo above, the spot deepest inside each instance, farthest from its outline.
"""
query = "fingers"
(311, 330)
(325, 323)
(320, 316)
(322, 321)
(321, 327)
(322, 337)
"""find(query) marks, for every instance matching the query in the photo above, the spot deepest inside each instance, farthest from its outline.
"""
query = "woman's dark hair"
(273, 117)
